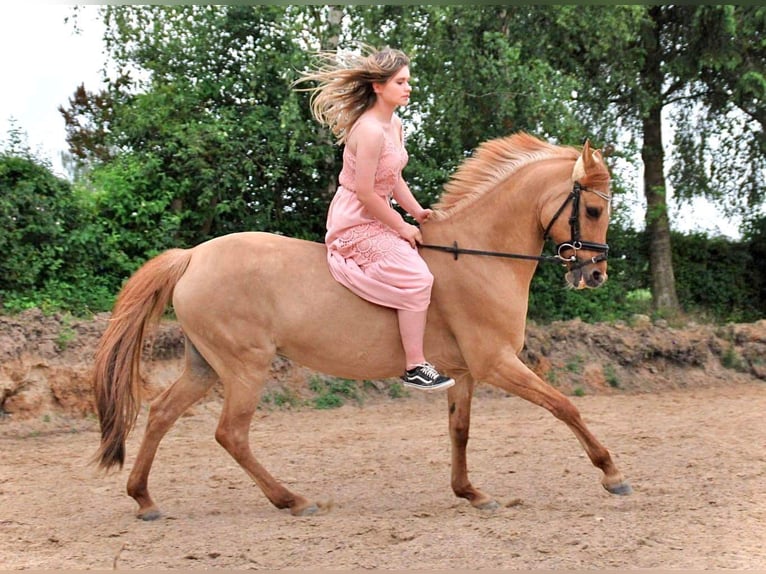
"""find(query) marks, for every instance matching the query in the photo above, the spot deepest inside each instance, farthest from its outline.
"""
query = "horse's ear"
(579, 168)
(586, 160)
(598, 156)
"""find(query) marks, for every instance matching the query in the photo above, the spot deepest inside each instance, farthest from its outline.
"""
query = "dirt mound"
(645, 355)
(45, 361)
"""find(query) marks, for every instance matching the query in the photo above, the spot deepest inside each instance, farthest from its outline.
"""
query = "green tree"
(698, 62)
(722, 154)
(203, 115)
(87, 121)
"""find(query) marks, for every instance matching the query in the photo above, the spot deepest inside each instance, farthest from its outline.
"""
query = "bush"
(70, 247)
(718, 277)
(56, 254)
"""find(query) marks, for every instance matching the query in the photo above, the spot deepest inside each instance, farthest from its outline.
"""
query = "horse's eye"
(593, 212)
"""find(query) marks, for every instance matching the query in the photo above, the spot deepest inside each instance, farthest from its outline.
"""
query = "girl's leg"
(419, 374)
(412, 327)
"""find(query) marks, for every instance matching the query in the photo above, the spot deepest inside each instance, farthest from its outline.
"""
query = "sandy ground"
(696, 460)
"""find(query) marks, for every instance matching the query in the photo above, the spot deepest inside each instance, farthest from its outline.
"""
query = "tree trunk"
(663, 282)
(330, 42)
(664, 298)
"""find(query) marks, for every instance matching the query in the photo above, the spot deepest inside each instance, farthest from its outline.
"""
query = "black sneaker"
(427, 378)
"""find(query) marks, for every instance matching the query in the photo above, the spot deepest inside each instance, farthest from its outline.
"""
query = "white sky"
(44, 60)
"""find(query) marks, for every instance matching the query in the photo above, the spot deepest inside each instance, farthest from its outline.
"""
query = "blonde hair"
(344, 91)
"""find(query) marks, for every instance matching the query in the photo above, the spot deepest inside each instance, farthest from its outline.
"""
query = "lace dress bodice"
(347, 214)
(393, 159)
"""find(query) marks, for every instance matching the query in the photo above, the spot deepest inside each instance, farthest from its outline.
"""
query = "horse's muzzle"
(588, 276)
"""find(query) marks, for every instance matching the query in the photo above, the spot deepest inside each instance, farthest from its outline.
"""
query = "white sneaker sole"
(444, 385)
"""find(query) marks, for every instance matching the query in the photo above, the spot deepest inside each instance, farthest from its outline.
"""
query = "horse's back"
(266, 290)
(256, 272)
(282, 264)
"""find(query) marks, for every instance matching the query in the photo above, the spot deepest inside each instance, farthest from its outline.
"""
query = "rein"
(574, 244)
(456, 251)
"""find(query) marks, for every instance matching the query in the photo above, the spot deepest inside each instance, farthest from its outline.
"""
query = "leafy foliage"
(711, 276)
(53, 253)
(721, 152)
(705, 65)
(200, 133)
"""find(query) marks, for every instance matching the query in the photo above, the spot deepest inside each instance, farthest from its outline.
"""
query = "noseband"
(574, 244)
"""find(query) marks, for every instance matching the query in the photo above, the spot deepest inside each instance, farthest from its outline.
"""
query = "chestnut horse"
(243, 298)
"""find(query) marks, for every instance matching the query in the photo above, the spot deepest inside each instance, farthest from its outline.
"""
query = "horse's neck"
(505, 220)
(488, 295)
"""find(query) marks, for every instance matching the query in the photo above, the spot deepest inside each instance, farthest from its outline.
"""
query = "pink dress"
(367, 256)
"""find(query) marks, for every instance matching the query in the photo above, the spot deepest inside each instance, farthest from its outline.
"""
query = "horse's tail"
(116, 379)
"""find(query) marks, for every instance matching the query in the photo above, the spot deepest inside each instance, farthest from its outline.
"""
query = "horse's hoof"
(489, 505)
(149, 514)
(307, 511)
(620, 489)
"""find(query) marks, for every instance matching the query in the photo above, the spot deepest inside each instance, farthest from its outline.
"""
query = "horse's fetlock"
(464, 491)
(136, 491)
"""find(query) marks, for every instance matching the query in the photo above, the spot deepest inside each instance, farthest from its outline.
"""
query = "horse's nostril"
(597, 277)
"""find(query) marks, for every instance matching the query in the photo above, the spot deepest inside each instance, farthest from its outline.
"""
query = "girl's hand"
(423, 215)
(411, 234)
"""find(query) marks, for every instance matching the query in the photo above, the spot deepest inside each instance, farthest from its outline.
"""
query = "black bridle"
(575, 243)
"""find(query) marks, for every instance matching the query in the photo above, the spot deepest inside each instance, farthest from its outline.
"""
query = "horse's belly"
(274, 293)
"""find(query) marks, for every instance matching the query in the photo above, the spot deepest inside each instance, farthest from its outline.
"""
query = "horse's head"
(581, 238)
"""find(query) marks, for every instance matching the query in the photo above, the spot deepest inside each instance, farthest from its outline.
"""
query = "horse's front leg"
(511, 374)
(459, 401)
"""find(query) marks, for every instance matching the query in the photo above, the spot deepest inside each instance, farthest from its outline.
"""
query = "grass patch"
(66, 334)
(574, 364)
(332, 393)
(731, 359)
(611, 376)
(552, 376)
(282, 398)
(397, 390)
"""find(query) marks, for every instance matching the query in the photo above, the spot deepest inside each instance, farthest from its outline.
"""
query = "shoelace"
(430, 370)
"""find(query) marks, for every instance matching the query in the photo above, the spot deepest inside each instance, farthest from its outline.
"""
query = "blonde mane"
(493, 162)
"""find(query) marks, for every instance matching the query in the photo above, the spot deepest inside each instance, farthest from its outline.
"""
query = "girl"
(371, 249)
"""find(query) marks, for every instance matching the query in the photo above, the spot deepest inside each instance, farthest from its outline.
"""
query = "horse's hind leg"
(233, 433)
(459, 401)
(193, 383)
